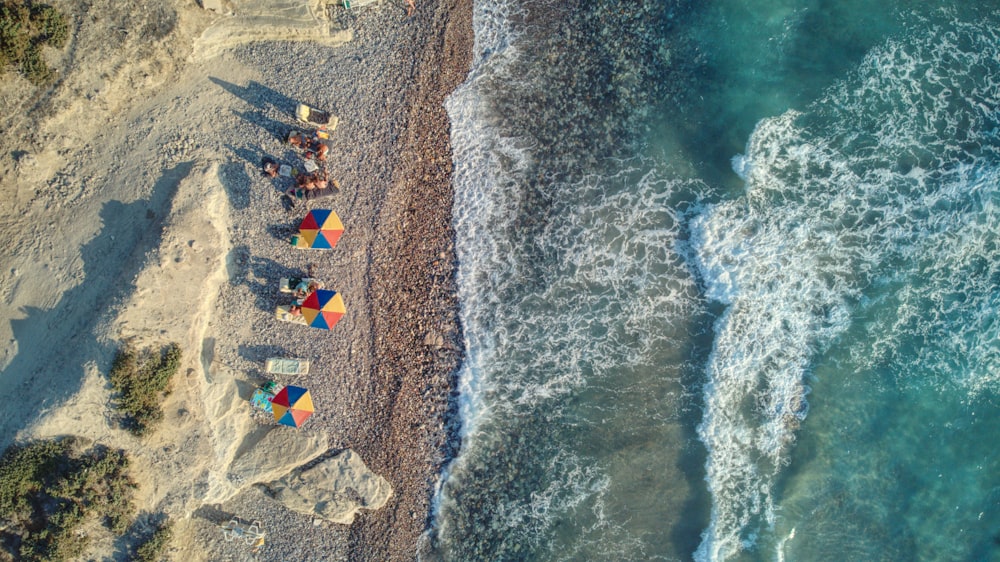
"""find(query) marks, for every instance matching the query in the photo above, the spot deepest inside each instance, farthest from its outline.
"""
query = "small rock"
(216, 6)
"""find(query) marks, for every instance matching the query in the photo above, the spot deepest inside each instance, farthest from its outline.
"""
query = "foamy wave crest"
(876, 207)
(484, 159)
(786, 280)
(597, 296)
(562, 285)
(934, 185)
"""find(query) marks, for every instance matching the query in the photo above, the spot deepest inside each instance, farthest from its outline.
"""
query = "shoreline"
(421, 261)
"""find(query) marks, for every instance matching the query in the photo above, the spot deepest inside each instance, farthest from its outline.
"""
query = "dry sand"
(133, 208)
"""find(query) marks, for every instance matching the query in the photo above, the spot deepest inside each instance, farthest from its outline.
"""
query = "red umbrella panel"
(321, 229)
(292, 406)
(323, 308)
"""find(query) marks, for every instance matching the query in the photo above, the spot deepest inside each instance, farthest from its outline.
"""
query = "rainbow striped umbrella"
(292, 405)
(323, 308)
(320, 229)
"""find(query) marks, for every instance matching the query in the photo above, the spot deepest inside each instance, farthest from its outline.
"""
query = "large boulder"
(334, 489)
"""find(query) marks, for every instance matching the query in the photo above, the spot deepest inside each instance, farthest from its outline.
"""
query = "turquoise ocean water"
(730, 281)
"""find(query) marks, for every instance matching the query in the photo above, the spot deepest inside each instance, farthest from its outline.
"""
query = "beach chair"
(284, 313)
(286, 366)
(322, 120)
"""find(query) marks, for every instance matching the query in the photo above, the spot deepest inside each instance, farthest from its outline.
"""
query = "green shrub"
(23, 471)
(15, 35)
(52, 25)
(25, 27)
(141, 383)
(152, 549)
(49, 488)
(33, 66)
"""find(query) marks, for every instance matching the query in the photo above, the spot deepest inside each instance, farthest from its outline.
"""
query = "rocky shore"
(384, 382)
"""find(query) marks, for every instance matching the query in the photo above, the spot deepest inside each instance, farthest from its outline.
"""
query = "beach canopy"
(323, 308)
(321, 229)
(292, 406)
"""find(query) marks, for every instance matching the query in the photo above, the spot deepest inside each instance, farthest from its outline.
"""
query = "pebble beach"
(382, 380)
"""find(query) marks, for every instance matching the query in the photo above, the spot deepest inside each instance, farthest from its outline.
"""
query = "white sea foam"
(551, 303)
(595, 304)
(876, 206)
(494, 383)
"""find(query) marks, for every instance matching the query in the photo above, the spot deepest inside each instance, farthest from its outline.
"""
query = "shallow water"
(727, 281)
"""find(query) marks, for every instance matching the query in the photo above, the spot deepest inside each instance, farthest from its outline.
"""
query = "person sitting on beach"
(317, 148)
(304, 289)
(270, 168)
(319, 179)
(321, 151)
(301, 288)
(306, 181)
(303, 183)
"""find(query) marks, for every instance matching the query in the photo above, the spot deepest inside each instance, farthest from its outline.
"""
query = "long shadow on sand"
(278, 129)
(259, 96)
(284, 231)
(237, 184)
(56, 345)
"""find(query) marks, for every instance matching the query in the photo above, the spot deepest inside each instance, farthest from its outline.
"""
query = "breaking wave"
(875, 209)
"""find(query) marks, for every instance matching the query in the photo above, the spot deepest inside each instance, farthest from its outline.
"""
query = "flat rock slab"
(334, 489)
(277, 453)
(269, 20)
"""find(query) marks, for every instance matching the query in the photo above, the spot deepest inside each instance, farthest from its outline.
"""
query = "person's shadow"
(56, 345)
(276, 128)
(261, 276)
(259, 96)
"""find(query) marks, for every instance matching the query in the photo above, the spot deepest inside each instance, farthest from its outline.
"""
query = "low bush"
(25, 27)
(48, 489)
(153, 548)
(141, 380)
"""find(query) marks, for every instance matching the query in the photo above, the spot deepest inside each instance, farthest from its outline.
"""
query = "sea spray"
(576, 305)
(874, 209)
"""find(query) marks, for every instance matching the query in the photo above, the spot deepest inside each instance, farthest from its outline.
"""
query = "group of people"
(312, 145)
(309, 181)
(313, 178)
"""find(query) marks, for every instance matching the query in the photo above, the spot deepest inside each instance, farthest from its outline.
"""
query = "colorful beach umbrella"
(323, 308)
(321, 229)
(292, 406)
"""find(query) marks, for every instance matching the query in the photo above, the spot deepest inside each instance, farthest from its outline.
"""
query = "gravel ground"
(383, 379)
